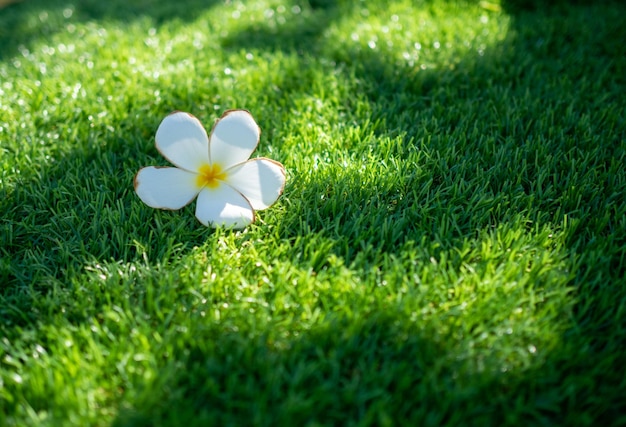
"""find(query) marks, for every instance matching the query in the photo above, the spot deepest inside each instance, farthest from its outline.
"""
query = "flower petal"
(182, 140)
(234, 138)
(223, 206)
(165, 187)
(261, 181)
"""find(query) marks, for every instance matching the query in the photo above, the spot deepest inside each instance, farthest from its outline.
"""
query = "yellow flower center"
(210, 176)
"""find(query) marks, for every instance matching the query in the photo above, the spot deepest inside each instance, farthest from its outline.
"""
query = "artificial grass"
(449, 249)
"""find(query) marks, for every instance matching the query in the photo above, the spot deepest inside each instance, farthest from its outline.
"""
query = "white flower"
(216, 169)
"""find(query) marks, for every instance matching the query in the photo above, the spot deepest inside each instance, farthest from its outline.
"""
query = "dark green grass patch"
(449, 248)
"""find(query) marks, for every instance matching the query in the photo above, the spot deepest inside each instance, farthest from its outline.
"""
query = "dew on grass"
(532, 349)
(296, 10)
(23, 50)
(152, 42)
(236, 14)
(78, 91)
(68, 12)
(38, 351)
(70, 48)
(17, 378)
(52, 136)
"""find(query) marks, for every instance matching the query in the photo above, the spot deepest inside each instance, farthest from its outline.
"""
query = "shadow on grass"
(24, 22)
(373, 370)
(81, 210)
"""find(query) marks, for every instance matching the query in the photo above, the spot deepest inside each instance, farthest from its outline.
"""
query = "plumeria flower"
(215, 169)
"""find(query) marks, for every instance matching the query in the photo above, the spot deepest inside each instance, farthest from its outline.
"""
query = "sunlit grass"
(449, 249)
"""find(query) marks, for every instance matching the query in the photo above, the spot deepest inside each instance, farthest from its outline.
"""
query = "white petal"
(165, 188)
(234, 138)
(182, 140)
(223, 206)
(261, 181)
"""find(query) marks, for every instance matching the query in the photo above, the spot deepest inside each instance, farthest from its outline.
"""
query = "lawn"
(449, 248)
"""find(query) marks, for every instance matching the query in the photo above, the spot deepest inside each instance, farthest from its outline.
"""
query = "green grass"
(449, 250)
